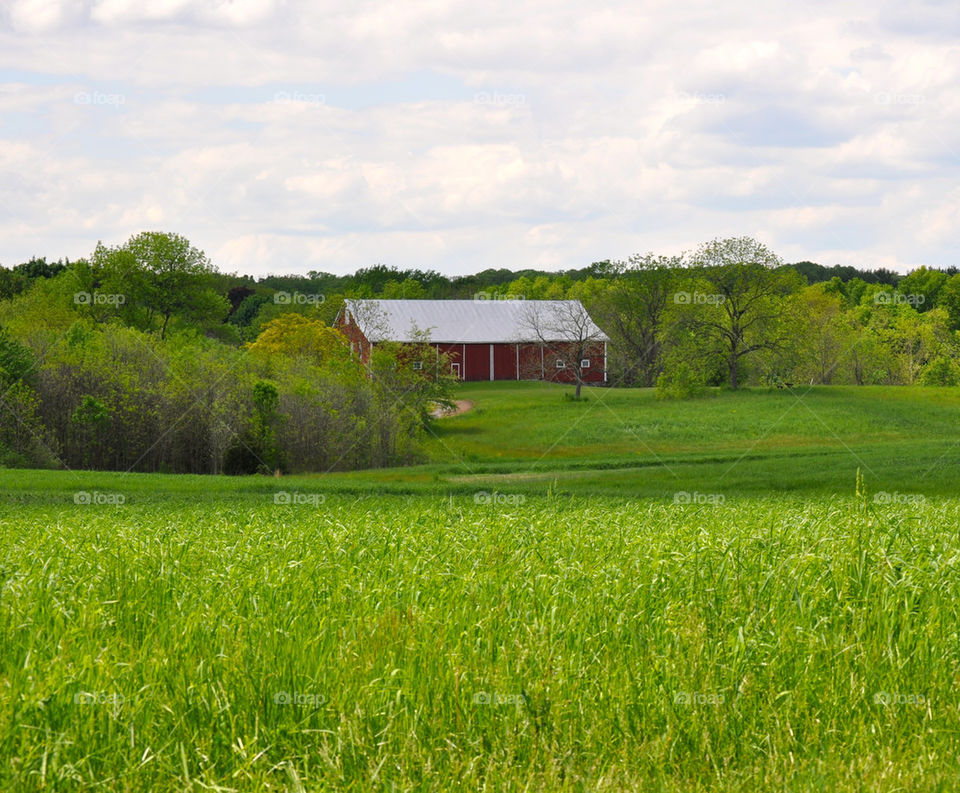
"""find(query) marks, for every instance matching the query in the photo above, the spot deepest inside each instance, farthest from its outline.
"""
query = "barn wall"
(530, 362)
(477, 362)
(455, 351)
(593, 375)
(504, 361)
(355, 336)
(476, 365)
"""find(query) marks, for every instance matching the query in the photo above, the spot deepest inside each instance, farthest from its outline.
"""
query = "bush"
(679, 382)
(941, 372)
(12, 459)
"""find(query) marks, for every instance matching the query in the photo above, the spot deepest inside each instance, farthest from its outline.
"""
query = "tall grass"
(427, 643)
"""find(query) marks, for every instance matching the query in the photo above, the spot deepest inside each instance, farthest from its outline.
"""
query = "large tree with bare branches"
(564, 329)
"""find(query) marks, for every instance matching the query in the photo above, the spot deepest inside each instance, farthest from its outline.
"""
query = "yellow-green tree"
(297, 336)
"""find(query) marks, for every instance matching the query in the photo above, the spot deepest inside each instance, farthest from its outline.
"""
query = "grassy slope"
(627, 442)
(523, 437)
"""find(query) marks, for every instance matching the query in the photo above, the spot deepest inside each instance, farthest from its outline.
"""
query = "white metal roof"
(473, 321)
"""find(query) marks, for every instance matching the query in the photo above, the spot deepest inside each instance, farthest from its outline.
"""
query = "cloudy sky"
(289, 136)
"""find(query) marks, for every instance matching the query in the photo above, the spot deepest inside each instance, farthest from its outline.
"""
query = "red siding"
(530, 362)
(592, 375)
(455, 351)
(504, 361)
(358, 341)
(478, 362)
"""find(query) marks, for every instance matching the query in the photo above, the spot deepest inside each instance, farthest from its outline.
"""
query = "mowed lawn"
(625, 441)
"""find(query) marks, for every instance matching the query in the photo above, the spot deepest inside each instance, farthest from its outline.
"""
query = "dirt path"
(463, 405)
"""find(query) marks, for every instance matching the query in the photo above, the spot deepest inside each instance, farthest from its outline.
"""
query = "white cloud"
(282, 136)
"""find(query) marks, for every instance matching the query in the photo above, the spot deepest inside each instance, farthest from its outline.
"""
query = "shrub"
(941, 372)
(679, 382)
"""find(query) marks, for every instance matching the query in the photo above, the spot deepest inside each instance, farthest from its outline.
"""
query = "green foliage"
(256, 450)
(92, 418)
(132, 367)
(270, 311)
(632, 305)
(822, 340)
(91, 412)
(11, 283)
(266, 417)
(245, 313)
(19, 278)
(923, 285)
(680, 382)
(106, 396)
(416, 376)
(226, 334)
(153, 278)
(408, 289)
(42, 312)
(737, 301)
(153, 334)
(817, 273)
(949, 300)
(294, 335)
(24, 440)
(16, 360)
(941, 371)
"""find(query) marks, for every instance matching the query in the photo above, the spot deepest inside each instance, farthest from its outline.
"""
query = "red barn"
(487, 339)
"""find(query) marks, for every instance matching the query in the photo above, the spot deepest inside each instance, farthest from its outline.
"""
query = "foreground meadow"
(218, 640)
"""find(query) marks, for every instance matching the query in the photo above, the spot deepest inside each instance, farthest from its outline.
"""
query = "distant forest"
(381, 280)
(252, 301)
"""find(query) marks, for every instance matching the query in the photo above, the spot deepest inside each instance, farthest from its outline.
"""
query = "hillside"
(627, 442)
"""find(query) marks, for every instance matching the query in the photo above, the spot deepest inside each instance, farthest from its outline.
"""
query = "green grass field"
(531, 610)
(626, 442)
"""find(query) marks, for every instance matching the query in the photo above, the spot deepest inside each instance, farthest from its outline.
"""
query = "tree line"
(732, 313)
(144, 357)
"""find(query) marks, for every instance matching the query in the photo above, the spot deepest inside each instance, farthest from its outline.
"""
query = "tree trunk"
(579, 384)
(734, 373)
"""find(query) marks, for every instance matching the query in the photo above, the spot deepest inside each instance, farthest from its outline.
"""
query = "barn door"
(455, 368)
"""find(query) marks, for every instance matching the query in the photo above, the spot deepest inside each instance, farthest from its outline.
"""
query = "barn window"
(561, 364)
(418, 364)
(585, 363)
